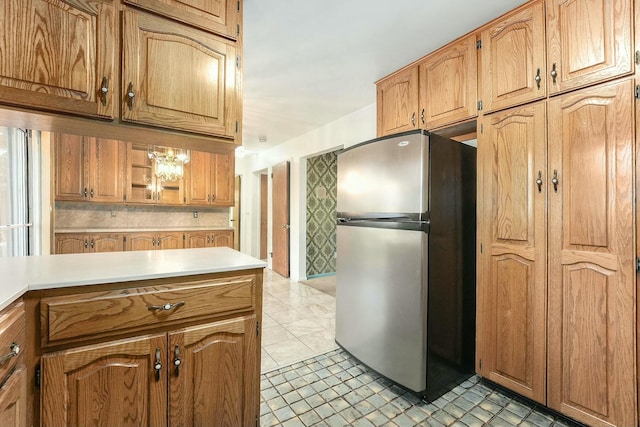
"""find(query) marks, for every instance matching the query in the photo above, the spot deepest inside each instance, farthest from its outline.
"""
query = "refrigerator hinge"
(637, 57)
(637, 92)
(479, 44)
(479, 105)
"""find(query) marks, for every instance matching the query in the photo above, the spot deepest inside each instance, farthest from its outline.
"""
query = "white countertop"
(21, 274)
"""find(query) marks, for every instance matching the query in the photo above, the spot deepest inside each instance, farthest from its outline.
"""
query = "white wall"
(347, 131)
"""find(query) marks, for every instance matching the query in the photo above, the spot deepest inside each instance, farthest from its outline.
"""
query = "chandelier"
(169, 162)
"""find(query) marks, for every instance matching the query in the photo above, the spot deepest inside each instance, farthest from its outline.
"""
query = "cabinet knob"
(104, 90)
(554, 73)
(413, 119)
(539, 181)
(538, 79)
(166, 307)
(555, 180)
(91, 193)
(422, 116)
(85, 192)
(15, 350)
(176, 360)
(130, 94)
(157, 366)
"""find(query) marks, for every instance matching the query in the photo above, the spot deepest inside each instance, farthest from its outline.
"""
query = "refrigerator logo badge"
(403, 143)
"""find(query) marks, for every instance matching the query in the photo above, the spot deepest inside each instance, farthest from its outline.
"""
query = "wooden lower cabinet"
(209, 239)
(203, 376)
(154, 241)
(13, 399)
(13, 374)
(76, 243)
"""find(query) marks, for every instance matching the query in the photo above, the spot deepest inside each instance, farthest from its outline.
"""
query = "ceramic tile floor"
(298, 321)
(308, 381)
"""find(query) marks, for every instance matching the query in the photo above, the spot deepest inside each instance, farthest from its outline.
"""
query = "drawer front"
(12, 333)
(93, 315)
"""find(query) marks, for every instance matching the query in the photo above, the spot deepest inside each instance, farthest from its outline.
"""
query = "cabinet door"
(513, 59)
(199, 239)
(512, 295)
(587, 42)
(112, 384)
(171, 192)
(223, 179)
(397, 102)
(217, 381)
(170, 241)
(199, 178)
(106, 170)
(72, 243)
(141, 242)
(222, 238)
(217, 16)
(155, 51)
(56, 55)
(107, 243)
(71, 174)
(448, 84)
(140, 178)
(592, 290)
(13, 399)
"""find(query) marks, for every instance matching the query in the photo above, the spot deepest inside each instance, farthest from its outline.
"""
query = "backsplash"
(85, 215)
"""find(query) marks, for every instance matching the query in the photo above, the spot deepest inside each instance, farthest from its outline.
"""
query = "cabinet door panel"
(198, 240)
(141, 242)
(223, 179)
(199, 178)
(397, 102)
(107, 243)
(513, 55)
(74, 384)
(512, 296)
(588, 41)
(54, 55)
(70, 169)
(154, 52)
(216, 384)
(106, 166)
(72, 243)
(218, 16)
(13, 399)
(223, 238)
(448, 84)
(170, 241)
(592, 291)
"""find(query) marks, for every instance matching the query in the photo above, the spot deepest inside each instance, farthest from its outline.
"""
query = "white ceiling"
(309, 62)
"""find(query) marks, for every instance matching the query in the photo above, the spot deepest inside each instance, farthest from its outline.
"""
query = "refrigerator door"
(381, 301)
(384, 175)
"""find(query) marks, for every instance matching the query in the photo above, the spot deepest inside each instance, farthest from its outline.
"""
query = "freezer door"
(381, 301)
(385, 175)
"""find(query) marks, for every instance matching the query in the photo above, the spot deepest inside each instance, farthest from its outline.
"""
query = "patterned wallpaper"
(322, 182)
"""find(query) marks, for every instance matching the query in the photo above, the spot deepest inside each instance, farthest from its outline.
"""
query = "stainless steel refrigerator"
(405, 290)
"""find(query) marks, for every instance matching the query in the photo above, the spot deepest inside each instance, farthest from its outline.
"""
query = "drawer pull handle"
(166, 307)
(158, 365)
(176, 361)
(15, 350)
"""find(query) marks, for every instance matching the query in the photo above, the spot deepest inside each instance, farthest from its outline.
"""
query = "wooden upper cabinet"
(587, 42)
(592, 275)
(397, 102)
(58, 56)
(74, 381)
(512, 291)
(218, 16)
(448, 84)
(210, 179)
(177, 77)
(227, 352)
(513, 59)
(89, 169)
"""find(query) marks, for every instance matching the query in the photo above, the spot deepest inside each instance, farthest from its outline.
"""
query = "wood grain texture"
(71, 318)
(280, 219)
(106, 162)
(592, 289)
(71, 170)
(223, 181)
(397, 101)
(512, 292)
(105, 385)
(168, 240)
(71, 48)
(588, 41)
(448, 84)
(199, 179)
(155, 51)
(217, 16)
(215, 385)
(513, 51)
(13, 399)
(71, 243)
(12, 330)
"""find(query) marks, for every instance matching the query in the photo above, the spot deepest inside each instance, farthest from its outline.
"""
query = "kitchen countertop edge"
(60, 271)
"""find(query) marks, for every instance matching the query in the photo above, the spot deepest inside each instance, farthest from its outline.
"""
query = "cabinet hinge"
(237, 126)
(637, 264)
(637, 92)
(481, 127)
(257, 422)
(238, 29)
(271, 254)
(37, 376)
(257, 328)
(124, 239)
(480, 247)
(637, 57)
(238, 6)
(237, 62)
(480, 363)
(479, 105)
(184, 236)
(479, 44)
